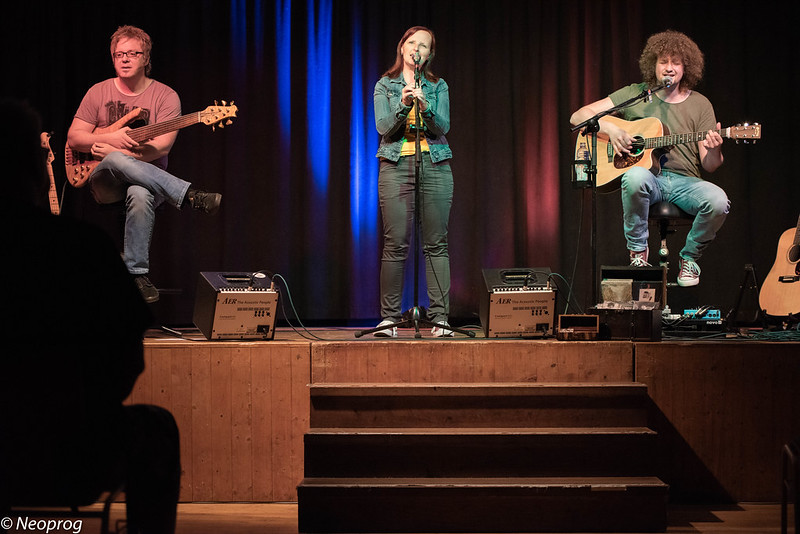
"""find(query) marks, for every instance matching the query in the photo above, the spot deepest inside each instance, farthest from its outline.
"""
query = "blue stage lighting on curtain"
(238, 35)
(258, 32)
(363, 175)
(318, 93)
(283, 66)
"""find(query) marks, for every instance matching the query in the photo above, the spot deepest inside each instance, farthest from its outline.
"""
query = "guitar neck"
(52, 195)
(55, 209)
(681, 139)
(143, 133)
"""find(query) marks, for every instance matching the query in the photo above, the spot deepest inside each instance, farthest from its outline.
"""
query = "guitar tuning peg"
(224, 103)
(229, 122)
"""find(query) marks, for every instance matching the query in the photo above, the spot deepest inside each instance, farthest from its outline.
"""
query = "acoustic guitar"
(780, 292)
(651, 140)
(52, 194)
(81, 164)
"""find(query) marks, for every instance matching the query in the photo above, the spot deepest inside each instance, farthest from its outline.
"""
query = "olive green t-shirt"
(695, 114)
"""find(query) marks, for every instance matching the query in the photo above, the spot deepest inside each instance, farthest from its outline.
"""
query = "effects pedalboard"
(704, 320)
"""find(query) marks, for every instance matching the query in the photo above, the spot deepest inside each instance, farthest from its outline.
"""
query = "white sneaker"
(689, 274)
(386, 332)
(442, 332)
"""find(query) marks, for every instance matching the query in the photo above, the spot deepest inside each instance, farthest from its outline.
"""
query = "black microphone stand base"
(415, 321)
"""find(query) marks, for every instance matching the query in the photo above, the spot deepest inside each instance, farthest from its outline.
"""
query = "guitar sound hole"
(638, 146)
(794, 253)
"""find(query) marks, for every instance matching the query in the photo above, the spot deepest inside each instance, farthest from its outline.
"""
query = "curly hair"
(132, 32)
(397, 68)
(672, 43)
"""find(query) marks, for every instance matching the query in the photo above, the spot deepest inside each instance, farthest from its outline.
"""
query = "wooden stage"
(723, 409)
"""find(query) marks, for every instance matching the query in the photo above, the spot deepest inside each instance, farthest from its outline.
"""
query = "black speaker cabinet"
(235, 306)
(518, 303)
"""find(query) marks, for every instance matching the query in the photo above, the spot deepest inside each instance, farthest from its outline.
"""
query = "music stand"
(415, 315)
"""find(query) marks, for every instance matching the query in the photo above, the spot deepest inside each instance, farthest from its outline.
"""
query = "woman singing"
(409, 88)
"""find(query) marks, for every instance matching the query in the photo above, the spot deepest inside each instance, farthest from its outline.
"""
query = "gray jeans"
(396, 188)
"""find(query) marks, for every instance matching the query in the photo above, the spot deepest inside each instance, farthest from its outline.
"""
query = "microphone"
(416, 69)
(666, 81)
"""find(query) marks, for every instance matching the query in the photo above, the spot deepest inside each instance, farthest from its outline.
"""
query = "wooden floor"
(281, 518)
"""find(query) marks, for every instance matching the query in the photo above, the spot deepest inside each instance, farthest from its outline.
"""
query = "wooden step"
(480, 405)
(480, 452)
(518, 504)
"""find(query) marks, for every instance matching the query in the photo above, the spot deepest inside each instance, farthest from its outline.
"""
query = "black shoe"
(205, 202)
(146, 288)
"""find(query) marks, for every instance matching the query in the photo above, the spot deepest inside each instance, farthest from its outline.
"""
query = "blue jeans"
(144, 187)
(396, 190)
(705, 200)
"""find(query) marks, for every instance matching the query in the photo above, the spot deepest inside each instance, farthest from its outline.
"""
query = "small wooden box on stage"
(519, 302)
(235, 306)
(578, 327)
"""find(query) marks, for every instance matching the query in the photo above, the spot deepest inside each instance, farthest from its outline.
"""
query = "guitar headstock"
(44, 137)
(218, 115)
(746, 132)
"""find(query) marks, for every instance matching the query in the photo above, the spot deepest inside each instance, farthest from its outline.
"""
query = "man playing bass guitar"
(673, 60)
(130, 170)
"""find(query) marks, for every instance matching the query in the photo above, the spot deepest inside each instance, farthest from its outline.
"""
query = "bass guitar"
(780, 292)
(651, 140)
(52, 194)
(81, 164)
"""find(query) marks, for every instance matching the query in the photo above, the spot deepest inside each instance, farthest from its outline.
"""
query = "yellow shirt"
(410, 141)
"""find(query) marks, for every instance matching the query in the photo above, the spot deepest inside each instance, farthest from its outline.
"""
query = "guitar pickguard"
(628, 160)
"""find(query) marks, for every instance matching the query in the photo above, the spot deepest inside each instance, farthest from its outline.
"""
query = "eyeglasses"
(131, 54)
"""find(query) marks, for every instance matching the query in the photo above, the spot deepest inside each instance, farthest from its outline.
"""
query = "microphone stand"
(591, 127)
(415, 314)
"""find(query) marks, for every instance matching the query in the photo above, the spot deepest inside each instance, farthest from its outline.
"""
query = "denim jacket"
(391, 114)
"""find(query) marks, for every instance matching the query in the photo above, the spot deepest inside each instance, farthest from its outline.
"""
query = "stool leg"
(663, 251)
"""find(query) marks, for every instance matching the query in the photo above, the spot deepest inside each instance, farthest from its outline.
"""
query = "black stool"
(667, 216)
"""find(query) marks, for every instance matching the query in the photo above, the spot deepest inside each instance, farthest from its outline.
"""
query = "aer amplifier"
(235, 306)
(518, 303)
